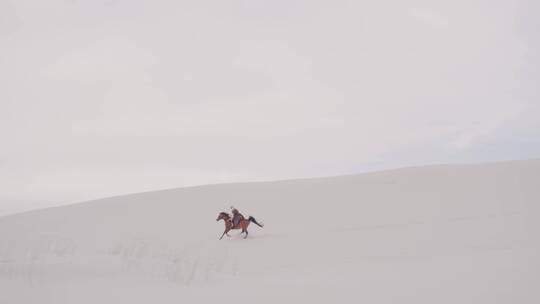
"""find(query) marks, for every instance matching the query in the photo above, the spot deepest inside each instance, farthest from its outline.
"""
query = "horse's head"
(223, 216)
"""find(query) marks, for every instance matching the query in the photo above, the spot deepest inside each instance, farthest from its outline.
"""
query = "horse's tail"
(252, 219)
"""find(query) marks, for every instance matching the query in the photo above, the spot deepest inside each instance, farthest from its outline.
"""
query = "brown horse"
(244, 223)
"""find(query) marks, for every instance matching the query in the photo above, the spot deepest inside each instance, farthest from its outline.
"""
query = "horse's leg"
(245, 224)
(226, 232)
(227, 229)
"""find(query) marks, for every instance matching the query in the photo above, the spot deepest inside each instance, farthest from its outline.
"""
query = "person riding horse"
(237, 217)
(237, 222)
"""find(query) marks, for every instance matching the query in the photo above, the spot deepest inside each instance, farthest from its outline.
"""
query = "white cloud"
(108, 97)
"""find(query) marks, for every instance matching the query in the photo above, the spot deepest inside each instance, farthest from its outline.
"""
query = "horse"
(243, 224)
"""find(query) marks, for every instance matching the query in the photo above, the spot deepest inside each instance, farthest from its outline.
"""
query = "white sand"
(439, 234)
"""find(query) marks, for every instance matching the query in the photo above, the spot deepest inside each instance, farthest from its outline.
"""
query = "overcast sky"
(100, 98)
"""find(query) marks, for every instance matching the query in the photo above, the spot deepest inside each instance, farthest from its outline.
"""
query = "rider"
(237, 217)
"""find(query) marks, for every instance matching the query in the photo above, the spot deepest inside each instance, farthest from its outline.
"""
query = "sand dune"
(436, 234)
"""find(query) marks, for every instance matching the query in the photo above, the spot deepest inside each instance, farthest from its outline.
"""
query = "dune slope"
(436, 234)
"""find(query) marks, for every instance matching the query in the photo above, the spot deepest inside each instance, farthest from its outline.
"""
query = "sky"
(102, 98)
